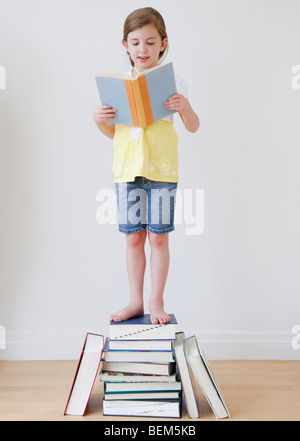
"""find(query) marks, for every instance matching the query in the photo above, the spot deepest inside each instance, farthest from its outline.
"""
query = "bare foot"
(127, 313)
(158, 314)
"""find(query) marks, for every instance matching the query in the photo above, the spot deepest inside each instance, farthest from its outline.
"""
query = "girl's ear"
(125, 44)
(164, 43)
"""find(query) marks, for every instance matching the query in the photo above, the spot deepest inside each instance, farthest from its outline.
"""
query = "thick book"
(141, 345)
(185, 377)
(138, 368)
(142, 387)
(85, 375)
(141, 328)
(148, 395)
(139, 101)
(120, 377)
(203, 373)
(143, 408)
(136, 356)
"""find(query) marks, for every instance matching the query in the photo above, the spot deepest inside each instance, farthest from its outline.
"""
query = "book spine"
(132, 102)
(139, 103)
(146, 100)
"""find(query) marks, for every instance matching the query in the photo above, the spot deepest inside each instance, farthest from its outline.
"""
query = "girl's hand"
(103, 114)
(177, 102)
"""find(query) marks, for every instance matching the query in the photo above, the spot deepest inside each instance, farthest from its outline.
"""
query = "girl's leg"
(159, 262)
(136, 265)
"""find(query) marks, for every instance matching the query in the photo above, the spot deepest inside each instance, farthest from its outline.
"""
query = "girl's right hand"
(103, 114)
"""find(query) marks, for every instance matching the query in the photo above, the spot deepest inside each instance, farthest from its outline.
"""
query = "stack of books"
(139, 369)
(144, 369)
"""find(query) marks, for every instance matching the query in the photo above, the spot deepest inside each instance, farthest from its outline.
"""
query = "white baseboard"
(63, 345)
(247, 345)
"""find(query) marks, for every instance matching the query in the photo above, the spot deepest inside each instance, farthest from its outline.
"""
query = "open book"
(139, 101)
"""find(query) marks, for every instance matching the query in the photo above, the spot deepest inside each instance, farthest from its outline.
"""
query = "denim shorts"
(146, 205)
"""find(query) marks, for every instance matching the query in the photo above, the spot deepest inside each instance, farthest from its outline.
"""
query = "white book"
(185, 378)
(203, 373)
(85, 375)
(143, 408)
(118, 377)
(142, 387)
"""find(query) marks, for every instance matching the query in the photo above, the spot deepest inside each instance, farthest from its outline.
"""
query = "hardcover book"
(85, 375)
(143, 408)
(136, 356)
(139, 101)
(187, 386)
(203, 373)
(141, 328)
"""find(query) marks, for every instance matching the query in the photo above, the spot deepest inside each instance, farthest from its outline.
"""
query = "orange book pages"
(146, 100)
(139, 104)
(132, 103)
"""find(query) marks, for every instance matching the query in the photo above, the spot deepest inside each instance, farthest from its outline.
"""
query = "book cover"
(141, 328)
(85, 375)
(139, 101)
(204, 375)
(136, 356)
(184, 374)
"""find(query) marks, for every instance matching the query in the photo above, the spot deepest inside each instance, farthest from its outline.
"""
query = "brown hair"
(142, 17)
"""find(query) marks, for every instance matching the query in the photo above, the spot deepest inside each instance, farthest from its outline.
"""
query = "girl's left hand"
(177, 102)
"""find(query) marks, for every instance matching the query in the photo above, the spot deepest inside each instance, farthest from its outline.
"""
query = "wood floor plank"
(253, 391)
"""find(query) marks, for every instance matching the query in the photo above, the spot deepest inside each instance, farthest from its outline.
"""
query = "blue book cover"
(161, 86)
(139, 101)
(113, 93)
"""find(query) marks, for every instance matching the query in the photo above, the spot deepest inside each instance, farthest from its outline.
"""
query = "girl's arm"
(182, 106)
(103, 114)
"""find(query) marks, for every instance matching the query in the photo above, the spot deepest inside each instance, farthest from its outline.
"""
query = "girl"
(145, 164)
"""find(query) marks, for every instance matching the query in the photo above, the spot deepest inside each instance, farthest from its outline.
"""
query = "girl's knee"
(158, 240)
(136, 239)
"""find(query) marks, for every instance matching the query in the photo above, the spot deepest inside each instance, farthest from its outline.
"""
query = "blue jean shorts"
(146, 205)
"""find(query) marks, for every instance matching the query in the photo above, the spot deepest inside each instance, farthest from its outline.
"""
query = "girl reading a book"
(145, 169)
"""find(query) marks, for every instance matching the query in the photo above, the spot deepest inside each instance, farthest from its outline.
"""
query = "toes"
(154, 321)
(159, 319)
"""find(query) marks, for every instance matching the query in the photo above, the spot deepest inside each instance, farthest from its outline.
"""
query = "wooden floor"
(253, 391)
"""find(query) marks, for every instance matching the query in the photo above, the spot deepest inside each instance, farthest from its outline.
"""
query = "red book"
(85, 376)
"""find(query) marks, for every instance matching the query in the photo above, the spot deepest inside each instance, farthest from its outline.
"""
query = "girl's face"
(144, 46)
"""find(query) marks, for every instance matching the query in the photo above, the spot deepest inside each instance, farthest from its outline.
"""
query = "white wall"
(237, 284)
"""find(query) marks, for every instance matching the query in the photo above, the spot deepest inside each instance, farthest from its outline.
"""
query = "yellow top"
(151, 152)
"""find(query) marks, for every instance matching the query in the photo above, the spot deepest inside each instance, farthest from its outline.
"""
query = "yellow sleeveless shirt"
(154, 155)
